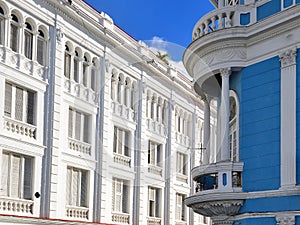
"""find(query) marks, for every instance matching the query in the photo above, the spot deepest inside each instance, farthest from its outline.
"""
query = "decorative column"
(206, 130)
(288, 119)
(225, 151)
(154, 108)
(113, 88)
(127, 95)
(159, 105)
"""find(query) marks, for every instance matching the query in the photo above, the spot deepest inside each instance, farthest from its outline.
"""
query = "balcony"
(182, 139)
(155, 169)
(123, 111)
(156, 127)
(218, 189)
(122, 159)
(121, 218)
(226, 17)
(76, 212)
(153, 221)
(20, 128)
(16, 206)
(79, 146)
(80, 91)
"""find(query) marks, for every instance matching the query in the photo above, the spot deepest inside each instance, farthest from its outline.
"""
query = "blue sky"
(160, 23)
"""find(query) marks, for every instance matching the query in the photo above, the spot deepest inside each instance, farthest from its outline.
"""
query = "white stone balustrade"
(79, 146)
(122, 218)
(181, 177)
(20, 128)
(123, 111)
(155, 169)
(153, 221)
(23, 64)
(122, 159)
(77, 212)
(223, 18)
(180, 223)
(80, 91)
(182, 139)
(16, 206)
(156, 127)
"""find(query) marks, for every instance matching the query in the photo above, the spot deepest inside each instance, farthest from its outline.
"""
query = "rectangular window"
(19, 103)
(41, 50)
(76, 70)
(2, 29)
(14, 37)
(181, 163)
(121, 141)
(16, 176)
(154, 153)
(67, 68)
(28, 44)
(154, 202)
(120, 196)
(180, 207)
(79, 124)
(77, 187)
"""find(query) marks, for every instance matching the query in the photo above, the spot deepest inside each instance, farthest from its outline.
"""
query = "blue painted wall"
(260, 124)
(273, 204)
(257, 221)
(268, 9)
(298, 116)
(297, 220)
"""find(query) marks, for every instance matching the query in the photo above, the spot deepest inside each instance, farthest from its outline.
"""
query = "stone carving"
(288, 58)
(225, 72)
(285, 220)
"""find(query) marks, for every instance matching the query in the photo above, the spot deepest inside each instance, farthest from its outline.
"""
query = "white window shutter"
(4, 175)
(69, 185)
(83, 189)
(41, 48)
(125, 200)
(119, 192)
(86, 129)
(30, 107)
(19, 104)
(75, 186)
(77, 126)
(27, 191)
(70, 128)
(8, 99)
(120, 141)
(15, 176)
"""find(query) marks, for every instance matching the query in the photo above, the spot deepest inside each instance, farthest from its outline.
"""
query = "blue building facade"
(245, 57)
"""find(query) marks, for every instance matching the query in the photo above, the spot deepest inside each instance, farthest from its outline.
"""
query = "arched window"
(28, 39)
(133, 96)
(119, 91)
(234, 126)
(93, 76)
(2, 26)
(14, 33)
(67, 69)
(41, 48)
(85, 69)
(76, 67)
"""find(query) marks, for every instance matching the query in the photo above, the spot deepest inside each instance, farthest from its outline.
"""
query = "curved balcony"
(218, 189)
(230, 16)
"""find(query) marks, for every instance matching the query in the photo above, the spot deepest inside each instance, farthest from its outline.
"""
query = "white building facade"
(96, 128)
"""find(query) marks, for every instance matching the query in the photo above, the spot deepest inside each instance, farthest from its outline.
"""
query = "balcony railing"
(155, 169)
(182, 139)
(180, 223)
(23, 64)
(123, 111)
(225, 17)
(77, 212)
(79, 146)
(16, 206)
(153, 221)
(222, 176)
(181, 177)
(122, 218)
(156, 127)
(20, 128)
(80, 91)
(122, 159)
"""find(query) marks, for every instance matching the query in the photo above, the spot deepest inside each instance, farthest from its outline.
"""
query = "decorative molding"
(288, 58)
(225, 72)
(285, 220)
(59, 35)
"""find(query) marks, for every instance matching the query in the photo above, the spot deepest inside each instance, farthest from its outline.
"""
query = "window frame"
(28, 40)
(234, 130)
(155, 153)
(154, 209)
(180, 211)
(14, 33)
(123, 194)
(182, 163)
(122, 147)
(81, 133)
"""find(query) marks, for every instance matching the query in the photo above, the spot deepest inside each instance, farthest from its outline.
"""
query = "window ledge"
(20, 128)
(77, 212)
(16, 206)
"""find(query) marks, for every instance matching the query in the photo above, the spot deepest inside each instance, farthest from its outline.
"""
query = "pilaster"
(288, 119)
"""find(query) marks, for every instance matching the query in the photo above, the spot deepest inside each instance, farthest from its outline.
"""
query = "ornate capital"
(288, 58)
(285, 220)
(225, 72)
